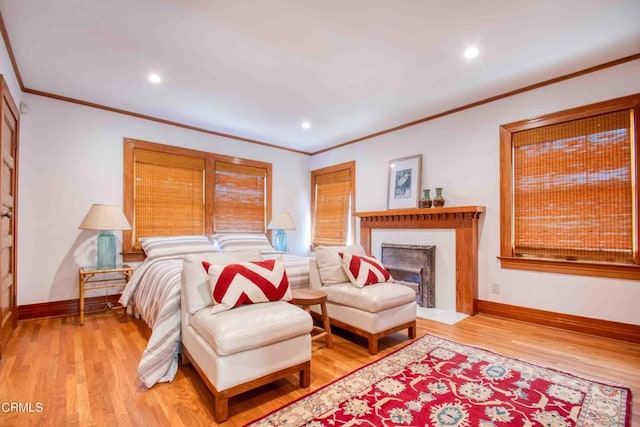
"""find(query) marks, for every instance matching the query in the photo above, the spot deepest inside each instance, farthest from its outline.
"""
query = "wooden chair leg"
(412, 331)
(220, 408)
(373, 345)
(305, 375)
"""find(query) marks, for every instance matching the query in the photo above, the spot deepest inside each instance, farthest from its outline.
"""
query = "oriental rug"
(437, 382)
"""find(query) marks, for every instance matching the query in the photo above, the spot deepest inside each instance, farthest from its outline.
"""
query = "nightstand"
(104, 277)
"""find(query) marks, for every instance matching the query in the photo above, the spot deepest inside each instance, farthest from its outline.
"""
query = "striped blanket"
(154, 288)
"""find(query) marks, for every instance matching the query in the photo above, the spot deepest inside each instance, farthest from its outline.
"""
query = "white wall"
(71, 157)
(461, 154)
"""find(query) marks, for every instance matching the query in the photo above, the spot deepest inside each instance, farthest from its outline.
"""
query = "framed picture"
(404, 182)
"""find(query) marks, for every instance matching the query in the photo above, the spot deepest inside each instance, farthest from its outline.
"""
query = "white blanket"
(155, 289)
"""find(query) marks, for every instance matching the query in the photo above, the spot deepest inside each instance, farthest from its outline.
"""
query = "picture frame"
(403, 186)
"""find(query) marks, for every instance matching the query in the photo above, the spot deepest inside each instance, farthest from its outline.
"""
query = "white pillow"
(234, 242)
(195, 281)
(330, 263)
(175, 245)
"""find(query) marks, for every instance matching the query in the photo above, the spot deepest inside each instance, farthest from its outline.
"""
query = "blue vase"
(106, 250)
(438, 201)
(425, 202)
(280, 241)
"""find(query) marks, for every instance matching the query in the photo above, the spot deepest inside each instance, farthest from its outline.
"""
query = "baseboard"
(65, 308)
(603, 328)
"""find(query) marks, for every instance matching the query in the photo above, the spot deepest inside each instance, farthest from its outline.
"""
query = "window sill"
(617, 271)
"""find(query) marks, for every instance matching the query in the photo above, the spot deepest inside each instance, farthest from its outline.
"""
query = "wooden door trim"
(10, 103)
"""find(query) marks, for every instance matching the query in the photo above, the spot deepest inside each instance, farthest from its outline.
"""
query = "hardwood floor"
(86, 375)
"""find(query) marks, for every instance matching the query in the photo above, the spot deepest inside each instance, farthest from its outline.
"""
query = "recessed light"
(305, 125)
(154, 78)
(471, 52)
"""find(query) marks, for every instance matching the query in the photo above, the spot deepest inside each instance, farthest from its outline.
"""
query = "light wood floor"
(86, 375)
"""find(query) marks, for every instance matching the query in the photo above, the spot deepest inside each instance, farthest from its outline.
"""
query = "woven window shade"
(333, 203)
(573, 190)
(168, 194)
(240, 201)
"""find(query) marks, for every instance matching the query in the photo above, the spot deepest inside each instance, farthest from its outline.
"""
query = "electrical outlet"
(495, 287)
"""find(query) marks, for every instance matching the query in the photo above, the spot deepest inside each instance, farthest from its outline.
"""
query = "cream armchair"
(243, 348)
(372, 311)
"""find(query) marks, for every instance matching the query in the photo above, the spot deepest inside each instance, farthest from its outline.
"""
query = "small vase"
(425, 202)
(438, 201)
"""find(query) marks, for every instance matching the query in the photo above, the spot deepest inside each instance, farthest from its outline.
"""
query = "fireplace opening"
(413, 266)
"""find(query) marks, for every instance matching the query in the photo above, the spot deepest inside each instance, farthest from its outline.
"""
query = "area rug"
(437, 382)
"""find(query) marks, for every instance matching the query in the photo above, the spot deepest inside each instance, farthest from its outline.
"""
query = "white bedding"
(154, 288)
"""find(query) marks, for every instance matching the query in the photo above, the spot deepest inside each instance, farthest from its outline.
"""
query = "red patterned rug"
(436, 382)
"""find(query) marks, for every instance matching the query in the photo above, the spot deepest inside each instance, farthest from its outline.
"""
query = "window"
(171, 191)
(569, 194)
(240, 198)
(169, 194)
(332, 201)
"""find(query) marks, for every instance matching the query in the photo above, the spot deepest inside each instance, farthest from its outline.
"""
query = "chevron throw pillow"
(233, 285)
(363, 270)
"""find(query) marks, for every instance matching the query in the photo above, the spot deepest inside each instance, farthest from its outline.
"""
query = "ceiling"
(257, 69)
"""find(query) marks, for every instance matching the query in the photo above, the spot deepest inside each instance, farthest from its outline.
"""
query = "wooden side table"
(108, 278)
(308, 297)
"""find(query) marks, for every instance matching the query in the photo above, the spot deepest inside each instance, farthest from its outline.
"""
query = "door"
(8, 198)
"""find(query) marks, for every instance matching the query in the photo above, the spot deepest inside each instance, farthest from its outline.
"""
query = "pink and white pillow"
(363, 270)
(251, 282)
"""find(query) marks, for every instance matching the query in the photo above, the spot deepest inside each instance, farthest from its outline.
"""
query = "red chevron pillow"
(363, 270)
(233, 285)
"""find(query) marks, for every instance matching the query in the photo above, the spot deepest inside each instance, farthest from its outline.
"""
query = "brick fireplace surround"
(463, 219)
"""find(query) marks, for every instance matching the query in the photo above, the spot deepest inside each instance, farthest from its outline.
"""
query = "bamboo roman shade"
(332, 208)
(168, 194)
(573, 190)
(240, 198)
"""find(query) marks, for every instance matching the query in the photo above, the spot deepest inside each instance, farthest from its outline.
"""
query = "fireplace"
(463, 219)
(413, 266)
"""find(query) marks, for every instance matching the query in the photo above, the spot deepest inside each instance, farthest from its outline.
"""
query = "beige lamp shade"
(281, 221)
(105, 217)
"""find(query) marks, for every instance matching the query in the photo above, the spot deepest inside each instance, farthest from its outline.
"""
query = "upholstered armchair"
(238, 349)
(371, 310)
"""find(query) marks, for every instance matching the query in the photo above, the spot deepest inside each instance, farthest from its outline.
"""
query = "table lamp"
(280, 222)
(105, 218)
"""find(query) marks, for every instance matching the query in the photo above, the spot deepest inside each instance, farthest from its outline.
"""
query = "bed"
(154, 291)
